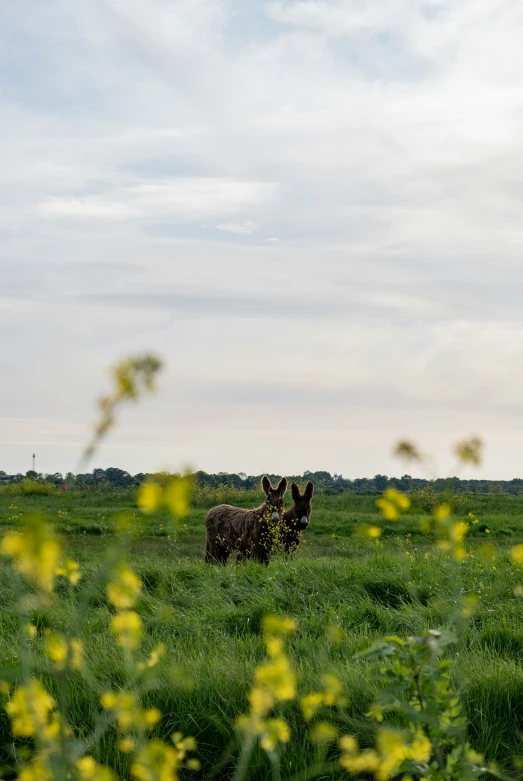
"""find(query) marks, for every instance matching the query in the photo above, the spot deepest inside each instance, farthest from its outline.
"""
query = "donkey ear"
(266, 484)
(282, 487)
(309, 490)
(295, 492)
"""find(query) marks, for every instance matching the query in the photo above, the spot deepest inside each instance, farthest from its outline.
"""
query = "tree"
(381, 482)
(118, 477)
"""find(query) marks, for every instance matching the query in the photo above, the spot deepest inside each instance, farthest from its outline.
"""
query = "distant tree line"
(324, 482)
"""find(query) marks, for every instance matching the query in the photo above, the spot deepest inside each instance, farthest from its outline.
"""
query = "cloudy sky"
(312, 209)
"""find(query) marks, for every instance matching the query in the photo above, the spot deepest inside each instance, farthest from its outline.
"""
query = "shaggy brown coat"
(297, 518)
(249, 532)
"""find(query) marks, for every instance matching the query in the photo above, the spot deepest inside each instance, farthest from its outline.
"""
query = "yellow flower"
(156, 655)
(126, 745)
(62, 653)
(31, 710)
(398, 498)
(323, 733)
(126, 709)
(442, 512)
(261, 701)
(274, 625)
(516, 554)
(149, 497)
(277, 678)
(127, 627)
(348, 743)
(518, 590)
(36, 770)
(124, 589)
(421, 748)
(156, 762)
(274, 646)
(177, 495)
(152, 717)
(274, 731)
(30, 630)
(56, 649)
(388, 510)
(310, 704)
(70, 570)
(333, 690)
(36, 552)
(89, 770)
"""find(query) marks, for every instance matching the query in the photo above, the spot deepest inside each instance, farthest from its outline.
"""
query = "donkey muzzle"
(275, 516)
(304, 522)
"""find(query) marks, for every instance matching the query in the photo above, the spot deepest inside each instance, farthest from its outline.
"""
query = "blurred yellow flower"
(90, 770)
(388, 510)
(178, 494)
(127, 627)
(275, 625)
(274, 731)
(277, 677)
(32, 712)
(516, 554)
(310, 704)
(69, 570)
(124, 589)
(35, 550)
(323, 733)
(149, 497)
(442, 512)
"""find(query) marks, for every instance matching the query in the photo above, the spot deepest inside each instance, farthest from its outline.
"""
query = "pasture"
(209, 616)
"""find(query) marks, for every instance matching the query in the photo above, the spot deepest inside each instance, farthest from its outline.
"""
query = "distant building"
(7, 479)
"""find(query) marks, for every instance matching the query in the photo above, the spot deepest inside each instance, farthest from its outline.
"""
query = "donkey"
(251, 533)
(297, 518)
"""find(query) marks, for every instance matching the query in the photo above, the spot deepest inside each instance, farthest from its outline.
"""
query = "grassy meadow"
(209, 617)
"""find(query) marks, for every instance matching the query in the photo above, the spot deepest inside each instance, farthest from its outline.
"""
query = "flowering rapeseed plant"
(36, 552)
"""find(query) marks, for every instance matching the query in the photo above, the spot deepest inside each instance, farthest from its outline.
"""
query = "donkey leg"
(215, 553)
(260, 554)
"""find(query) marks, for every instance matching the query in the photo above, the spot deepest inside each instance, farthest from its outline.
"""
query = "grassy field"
(209, 617)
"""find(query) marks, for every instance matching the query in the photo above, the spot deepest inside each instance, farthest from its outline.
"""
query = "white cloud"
(363, 159)
(247, 227)
(95, 208)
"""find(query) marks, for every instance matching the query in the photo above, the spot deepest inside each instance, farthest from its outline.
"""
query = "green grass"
(209, 617)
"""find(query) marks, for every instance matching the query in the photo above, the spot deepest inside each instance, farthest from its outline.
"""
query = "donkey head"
(274, 497)
(302, 504)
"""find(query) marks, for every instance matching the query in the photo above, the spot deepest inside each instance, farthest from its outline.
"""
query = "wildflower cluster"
(331, 694)
(417, 687)
(392, 504)
(36, 552)
(64, 652)
(396, 753)
(450, 533)
(275, 682)
(132, 377)
(174, 496)
(122, 592)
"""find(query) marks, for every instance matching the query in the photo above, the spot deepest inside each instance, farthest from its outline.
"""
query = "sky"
(310, 209)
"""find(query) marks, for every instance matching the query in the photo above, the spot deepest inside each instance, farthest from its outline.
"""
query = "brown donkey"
(249, 532)
(297, 518)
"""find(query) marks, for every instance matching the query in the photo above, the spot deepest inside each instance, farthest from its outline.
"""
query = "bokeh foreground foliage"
(414, 729)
